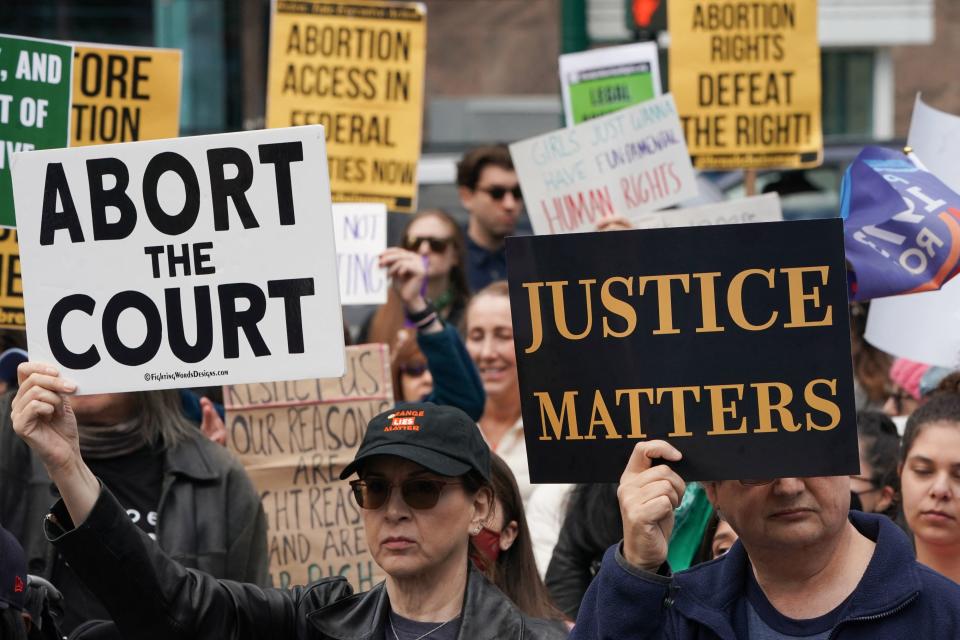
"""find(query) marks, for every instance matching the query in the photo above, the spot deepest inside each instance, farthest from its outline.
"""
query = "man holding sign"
(804, 567)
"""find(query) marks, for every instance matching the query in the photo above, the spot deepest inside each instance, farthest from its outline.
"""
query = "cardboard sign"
(11, 286)
(600, 81)
(357, 69)
(746, 77)
(294, 439)
(923, 326)
(34, 104)
(730, 342)
(626, 163)
(361, 236)
(124, 94)
(184, 262)
(765, 208)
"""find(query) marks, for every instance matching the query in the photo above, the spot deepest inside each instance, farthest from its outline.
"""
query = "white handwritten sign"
(626, 163)
(765, 208)
(361, 236)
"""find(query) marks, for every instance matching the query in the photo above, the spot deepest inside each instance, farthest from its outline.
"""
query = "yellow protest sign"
(357, 69)
(124, 94)
(11, 287)
(294, 439)
(746, 78)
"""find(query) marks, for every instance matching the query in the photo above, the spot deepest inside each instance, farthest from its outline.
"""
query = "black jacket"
(149, 596)
(200, 480)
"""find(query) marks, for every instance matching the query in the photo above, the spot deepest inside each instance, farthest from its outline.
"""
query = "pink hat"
(907, 375)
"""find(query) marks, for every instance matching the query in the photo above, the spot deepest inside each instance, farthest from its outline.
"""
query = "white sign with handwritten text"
(361, 236)
(625, 164)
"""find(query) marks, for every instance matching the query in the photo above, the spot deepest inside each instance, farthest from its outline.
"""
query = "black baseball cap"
(13, 572)
(440, 438)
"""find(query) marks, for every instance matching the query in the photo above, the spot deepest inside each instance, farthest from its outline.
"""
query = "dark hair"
(943, 406)
(11, 624)
(388, 319)
(870, 365)
(476, 160)
(881, 444)
(515, 571)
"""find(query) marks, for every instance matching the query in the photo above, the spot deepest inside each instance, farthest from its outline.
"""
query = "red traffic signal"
(643, 11)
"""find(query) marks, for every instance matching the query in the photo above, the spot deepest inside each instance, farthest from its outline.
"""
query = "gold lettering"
(618, 306)
(601, 416)
(765, 407)
(818, 403)
(664, 300)
(708, 301)
(798, 298)
(636, 429)
(548, 413)
(679, 412)
(719, 410)
(560, 313)
(735, 299)
(536, 321)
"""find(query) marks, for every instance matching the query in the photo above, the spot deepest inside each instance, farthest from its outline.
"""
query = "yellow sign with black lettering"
(11, 286)
(746, 78)
(124, 94)
(357, 69)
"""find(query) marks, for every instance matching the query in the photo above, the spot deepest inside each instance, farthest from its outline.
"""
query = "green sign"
(34, 104)
(603, 95)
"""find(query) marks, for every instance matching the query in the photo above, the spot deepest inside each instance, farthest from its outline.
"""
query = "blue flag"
(901, 226)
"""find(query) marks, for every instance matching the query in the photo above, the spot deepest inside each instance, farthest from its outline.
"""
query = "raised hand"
(648, 495)
(407, 273)
(42, 416)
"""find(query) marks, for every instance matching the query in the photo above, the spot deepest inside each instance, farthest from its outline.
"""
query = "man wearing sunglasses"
(805, 566)
(423, 491)
(490, 192)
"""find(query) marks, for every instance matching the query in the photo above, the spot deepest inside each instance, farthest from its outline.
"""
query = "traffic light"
(646, 16)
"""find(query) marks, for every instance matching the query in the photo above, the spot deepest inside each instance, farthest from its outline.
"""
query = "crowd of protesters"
(157, 532)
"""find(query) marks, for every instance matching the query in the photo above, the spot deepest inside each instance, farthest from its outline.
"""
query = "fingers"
(614, 223)
(393, 254)
(25, 369)
(40, 379)
(645, 452)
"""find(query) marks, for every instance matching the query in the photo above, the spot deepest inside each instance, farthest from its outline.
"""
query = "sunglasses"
(413, 370)
(499, 193)
(437, 245)
(417, 493)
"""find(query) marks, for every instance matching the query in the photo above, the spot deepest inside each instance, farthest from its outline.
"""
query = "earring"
(476, 530)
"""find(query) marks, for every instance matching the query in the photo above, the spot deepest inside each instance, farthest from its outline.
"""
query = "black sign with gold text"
(730, 342)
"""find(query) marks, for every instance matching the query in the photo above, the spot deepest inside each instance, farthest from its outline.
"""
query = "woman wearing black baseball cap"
(423, 485)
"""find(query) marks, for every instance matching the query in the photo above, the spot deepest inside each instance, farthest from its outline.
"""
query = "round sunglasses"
(418, 493)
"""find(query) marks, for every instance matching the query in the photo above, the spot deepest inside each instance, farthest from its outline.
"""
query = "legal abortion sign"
(184, 262)
(731, 342)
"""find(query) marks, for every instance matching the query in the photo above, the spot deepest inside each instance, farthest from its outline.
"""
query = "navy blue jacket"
(455, 379)
(896, 598)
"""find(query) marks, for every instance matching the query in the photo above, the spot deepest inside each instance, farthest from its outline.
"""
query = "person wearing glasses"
(418, 328)
(876, 489)
(433, 235)
(423, 485)
(805, 566)
(930, 478)
(489, 190)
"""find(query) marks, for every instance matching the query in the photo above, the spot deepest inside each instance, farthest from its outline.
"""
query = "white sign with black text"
(765, 208)
(181, 263)
(625, 164)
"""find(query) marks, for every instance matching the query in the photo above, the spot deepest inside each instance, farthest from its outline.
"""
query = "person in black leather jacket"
(424, 490)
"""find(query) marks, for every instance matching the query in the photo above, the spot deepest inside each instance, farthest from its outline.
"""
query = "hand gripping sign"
(901, 226)
(183, 262)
